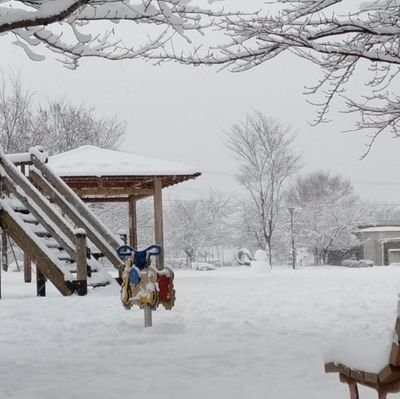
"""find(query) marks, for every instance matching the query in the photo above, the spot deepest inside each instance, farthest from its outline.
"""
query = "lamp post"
(291, 211)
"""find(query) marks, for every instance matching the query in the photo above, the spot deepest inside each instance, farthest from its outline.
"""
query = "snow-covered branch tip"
(71, 27)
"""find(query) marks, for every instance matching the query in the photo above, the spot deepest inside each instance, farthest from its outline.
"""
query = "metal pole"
(291, 210)
(148, 317)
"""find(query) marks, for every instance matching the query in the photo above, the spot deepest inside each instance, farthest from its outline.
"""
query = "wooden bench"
(384, 381)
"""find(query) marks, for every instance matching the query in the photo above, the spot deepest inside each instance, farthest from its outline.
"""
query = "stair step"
(29, 218)
(52, 243)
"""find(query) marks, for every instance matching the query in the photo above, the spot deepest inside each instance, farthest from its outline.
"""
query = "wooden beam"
(158, 220)
(51, 220)
(108, 199)
(112, 191)
(40, 282)
(28, 244)
(132, 217)
(72, 206)
(81, 263)
(4, 250)
(27, 268)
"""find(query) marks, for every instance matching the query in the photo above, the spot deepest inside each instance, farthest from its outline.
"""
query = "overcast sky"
(180, 114)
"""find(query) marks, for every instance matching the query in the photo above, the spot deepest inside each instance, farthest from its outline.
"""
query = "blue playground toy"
(140, 258)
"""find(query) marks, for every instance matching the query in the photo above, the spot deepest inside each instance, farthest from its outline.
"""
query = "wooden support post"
(40, 282)
(81, 262)
(4, 250)
(27, 268)
(353, 390)
(132, 222)
(158, 220)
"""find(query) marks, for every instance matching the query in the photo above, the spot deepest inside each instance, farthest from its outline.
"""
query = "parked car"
(202, 266)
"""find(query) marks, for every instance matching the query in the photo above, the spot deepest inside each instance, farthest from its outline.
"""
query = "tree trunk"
(324, 256)
(268, 248)
(188, 261)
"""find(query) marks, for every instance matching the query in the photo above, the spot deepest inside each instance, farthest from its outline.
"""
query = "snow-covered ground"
(233, 334)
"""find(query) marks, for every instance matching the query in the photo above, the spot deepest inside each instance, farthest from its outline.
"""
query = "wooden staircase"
(50, 223)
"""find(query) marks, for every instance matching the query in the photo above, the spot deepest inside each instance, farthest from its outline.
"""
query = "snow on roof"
(380, 229)
(89, 160)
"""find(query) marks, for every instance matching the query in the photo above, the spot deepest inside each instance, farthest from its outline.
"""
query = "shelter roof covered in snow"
(97, 174)
(89, 160)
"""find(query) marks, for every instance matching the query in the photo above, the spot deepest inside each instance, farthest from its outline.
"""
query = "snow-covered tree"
(265, 150)
(16, 117)
(88, 28)
(195, 224)
(327, 213)
(60, 126)
(57, 125)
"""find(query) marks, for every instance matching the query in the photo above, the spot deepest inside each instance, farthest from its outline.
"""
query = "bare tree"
(87, 28)
(15, 114)
(60, 126)
(328, 212)
(195, 224)
(264, 148)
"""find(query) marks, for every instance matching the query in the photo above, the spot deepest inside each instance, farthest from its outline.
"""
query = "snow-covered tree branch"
(57, 125)
(347, 39)
(86, 28)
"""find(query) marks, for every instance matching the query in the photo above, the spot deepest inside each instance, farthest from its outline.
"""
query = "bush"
(357, 263)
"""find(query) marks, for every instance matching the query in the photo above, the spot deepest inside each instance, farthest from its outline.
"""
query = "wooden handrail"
(13, 177)
(76, 210)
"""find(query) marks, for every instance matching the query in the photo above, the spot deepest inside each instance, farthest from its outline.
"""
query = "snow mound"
(260, 264)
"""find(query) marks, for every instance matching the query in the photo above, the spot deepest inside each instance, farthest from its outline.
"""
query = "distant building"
(381, 243)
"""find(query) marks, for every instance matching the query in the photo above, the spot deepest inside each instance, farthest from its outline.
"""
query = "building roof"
(89, 160)
(100, 175)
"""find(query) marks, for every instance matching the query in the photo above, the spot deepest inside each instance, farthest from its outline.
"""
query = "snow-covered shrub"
(357, 263)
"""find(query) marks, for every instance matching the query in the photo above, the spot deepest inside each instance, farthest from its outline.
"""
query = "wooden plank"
(158, 221)
(109, 199)
(132, 218)
(79, 213)
(370, 378)
(28, 245)
(34, 195)
(4, 250)
(397, 329)
(113, 191)
(80, 219)
(357, 375)
(74, 199)
(81, 263)
(50, 220)
(331, 367)
(344, 369)
(27, 268)
(0, 282)
(40, 282)
(389, 374)
(353, 390)
(394, 359)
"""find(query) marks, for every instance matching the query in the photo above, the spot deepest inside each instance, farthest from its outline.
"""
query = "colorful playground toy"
(142, 284)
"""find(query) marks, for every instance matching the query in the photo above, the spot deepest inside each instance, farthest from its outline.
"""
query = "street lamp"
(291, 210)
